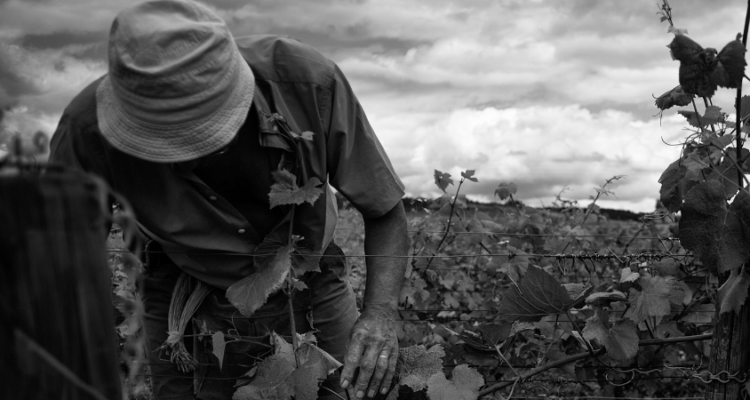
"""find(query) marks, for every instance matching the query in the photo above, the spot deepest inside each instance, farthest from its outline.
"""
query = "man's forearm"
(385, 236)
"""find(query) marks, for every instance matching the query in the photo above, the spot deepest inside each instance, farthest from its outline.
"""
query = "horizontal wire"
(594, 256)
(600, 398)
(461, 310)
(669, 238)
(690, 367)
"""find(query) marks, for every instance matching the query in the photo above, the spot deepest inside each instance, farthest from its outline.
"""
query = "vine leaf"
(733, 293)
(464, 385)
(577, 292)
(672, 186)
(605, 298)
(654, 298)
(305, 259)
(271, 381)
(744, 106)
(277, 377)
(505, 190)
(537, 295)
(416, 365)
(442, 180)
(218, 344)
(469, 174)
(620, 340)
(674, 97)
(726, 173)
(714, 232)
(285, 190)
(627, 275)
(731, 65)
(676, 31)
(701, 70)
(251, 292)
(702, 314)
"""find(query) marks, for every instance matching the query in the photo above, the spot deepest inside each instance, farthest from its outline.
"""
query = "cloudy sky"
(546, 94)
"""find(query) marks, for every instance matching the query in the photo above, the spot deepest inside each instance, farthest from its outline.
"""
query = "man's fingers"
(381, 367)
(351, 361)
(366, 368)
(386, 384)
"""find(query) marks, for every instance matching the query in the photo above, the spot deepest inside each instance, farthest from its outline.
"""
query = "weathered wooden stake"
(57, 337)
(730, 352)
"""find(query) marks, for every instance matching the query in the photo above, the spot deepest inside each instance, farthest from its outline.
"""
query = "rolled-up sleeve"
(357, 164)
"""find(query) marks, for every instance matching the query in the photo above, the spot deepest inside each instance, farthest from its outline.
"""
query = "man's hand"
(373, 347)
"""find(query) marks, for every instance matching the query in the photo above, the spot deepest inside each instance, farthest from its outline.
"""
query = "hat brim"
(169, 143)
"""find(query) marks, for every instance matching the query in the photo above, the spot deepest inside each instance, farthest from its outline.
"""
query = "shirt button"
(241, 231)
(212, 198)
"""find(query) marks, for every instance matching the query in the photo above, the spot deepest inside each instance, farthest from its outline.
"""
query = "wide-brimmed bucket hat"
(177, 88)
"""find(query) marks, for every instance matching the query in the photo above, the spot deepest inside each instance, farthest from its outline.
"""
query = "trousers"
(327, 307)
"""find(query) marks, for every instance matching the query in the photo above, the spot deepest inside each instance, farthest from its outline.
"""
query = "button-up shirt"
(210, 236)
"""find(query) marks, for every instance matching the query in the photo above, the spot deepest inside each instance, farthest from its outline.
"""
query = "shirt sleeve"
(357, 164)
(62, 151)
(76, 147)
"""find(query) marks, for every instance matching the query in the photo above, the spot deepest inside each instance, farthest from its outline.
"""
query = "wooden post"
(730, 352)
(57, 331)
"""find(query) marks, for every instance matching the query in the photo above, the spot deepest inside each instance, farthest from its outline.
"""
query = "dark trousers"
(327, 306)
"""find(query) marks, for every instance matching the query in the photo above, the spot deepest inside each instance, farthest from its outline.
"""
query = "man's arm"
(373, 345)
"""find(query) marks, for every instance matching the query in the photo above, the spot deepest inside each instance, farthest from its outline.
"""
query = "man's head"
(177, 87)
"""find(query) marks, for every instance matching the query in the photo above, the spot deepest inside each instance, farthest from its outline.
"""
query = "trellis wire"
(532, 234)
(561, 256)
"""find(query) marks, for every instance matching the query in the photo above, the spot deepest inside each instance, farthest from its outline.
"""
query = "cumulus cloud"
(541, 149)
(548, 94)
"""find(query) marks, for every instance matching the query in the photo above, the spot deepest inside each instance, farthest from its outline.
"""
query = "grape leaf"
(416, 364)
(733, 293)
(676, 31)
(701, 70)
(744, 106)
(654, 298)
(672, 186)
(251, 292)
(702, 314)
(605, 298)
(217, 346)
(464, 385)
(730, 67)
(285, 190)
(304, 380)
(442, 180)
(621, 340)
(713, 114)
(469, 174)
(626, 275)
(505, 190)
(495, 333)
(270, 381)
(695, 163)
(305, 259)
(726, 173)
(555, 354)
(322, 363)
(577, 292)
(714, 232)
(282, 348)
(674, 97)
(537, 295)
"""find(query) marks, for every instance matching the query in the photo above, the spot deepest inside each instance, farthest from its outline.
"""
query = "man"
(188, 125)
